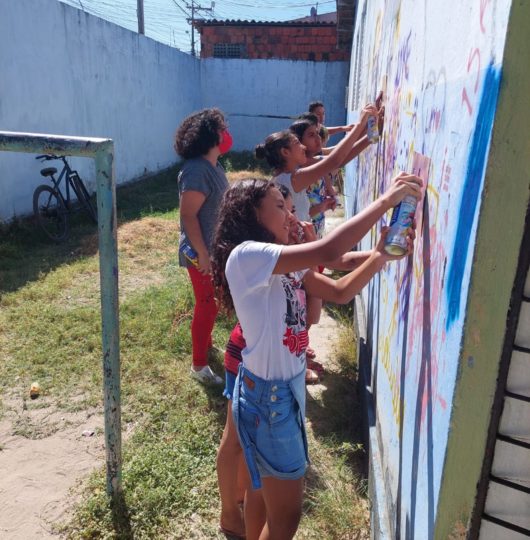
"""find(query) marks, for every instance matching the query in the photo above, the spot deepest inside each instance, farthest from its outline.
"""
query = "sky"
(166, 20)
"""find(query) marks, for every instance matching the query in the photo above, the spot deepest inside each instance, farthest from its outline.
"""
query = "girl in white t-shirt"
(287, 156)
(256, 273)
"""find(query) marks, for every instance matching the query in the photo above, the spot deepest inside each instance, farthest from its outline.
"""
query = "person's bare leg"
(254, 513)
(283, 503)
(229, 456)
(243, 479)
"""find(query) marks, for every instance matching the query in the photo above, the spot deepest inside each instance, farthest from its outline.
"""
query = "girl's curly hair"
(198, 133)
(237, 223)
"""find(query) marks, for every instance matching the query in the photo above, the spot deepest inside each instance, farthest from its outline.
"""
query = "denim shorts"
(230, 381)
(270, 420)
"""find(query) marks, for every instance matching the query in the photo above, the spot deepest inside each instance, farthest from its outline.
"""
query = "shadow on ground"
(26, 253)
(121, 518)
(336, 416)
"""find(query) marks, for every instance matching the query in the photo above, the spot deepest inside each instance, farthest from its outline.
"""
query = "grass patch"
(244, 161)
(346, 339)
(50, 332)
(26, 254)
(336, 505)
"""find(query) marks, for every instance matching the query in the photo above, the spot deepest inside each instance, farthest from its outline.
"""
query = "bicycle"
(51, 207)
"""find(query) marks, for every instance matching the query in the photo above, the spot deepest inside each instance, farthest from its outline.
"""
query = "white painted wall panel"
(491, 531)
(512, 462)
(522, 337)
(67, 72)
(519, 374)
(248, 90)
(515, 419)
(509, 505)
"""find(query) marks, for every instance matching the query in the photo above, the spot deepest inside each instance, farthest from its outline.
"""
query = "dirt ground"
(41, 466)
(39, 476)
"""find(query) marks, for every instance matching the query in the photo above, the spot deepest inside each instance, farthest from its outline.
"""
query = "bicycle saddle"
(48, 171)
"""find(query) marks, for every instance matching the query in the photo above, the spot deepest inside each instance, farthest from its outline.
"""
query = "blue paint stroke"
(471, 190)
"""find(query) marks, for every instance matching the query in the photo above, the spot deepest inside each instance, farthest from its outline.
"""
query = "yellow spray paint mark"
(385, 348)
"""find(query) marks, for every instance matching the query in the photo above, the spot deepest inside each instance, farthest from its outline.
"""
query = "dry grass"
(236, 176)
(459, 532)
(145, 248)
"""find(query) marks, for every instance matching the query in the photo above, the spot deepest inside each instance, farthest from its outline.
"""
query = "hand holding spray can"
(372, 130)
(401, 222)
(189, 253)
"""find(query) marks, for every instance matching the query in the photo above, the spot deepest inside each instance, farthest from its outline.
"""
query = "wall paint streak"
(472, 190)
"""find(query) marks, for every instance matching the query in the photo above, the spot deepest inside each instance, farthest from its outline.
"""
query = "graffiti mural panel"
(439, 65)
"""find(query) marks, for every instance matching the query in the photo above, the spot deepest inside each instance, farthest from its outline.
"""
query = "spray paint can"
(189, 253)
(372, 130)
(402, 218)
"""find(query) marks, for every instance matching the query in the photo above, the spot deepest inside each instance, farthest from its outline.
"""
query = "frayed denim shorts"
(270, 420)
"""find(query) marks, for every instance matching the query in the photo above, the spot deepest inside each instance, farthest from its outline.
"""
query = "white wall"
(66, 72)
(63, 71)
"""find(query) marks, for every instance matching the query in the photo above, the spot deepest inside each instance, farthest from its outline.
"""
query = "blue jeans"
(270, 420)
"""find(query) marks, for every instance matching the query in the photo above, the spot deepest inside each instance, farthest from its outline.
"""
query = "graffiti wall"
(439, 65)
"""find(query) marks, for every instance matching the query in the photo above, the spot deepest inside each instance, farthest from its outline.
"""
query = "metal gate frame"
(102, 151)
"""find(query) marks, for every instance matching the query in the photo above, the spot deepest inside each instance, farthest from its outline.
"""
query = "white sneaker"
(206, 375)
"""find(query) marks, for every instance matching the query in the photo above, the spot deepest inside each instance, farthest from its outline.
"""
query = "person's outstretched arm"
(305, 176)
(342, 290)
(339, 129)
(347, 235)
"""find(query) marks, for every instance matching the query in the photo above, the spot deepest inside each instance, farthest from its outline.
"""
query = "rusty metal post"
(108, 272)
(102, 150)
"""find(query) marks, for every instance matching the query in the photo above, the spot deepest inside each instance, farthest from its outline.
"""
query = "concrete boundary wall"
(69, 73)
(66, 72)
(261, 88)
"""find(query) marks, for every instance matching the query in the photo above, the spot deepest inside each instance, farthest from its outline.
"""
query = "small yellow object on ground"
(34, 390)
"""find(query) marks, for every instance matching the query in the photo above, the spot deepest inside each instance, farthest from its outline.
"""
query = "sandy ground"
(321, 335)
(39, 475)
(321, 340)
(38, 471)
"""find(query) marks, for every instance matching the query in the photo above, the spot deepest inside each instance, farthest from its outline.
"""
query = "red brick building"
(311, 38)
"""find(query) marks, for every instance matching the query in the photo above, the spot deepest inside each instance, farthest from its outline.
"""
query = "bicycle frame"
(68, 172)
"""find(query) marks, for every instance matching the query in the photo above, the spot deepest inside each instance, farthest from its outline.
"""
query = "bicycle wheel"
(83, 197)
(50, 213)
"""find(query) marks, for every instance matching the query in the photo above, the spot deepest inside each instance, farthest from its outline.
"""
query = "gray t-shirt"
(200, 175)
